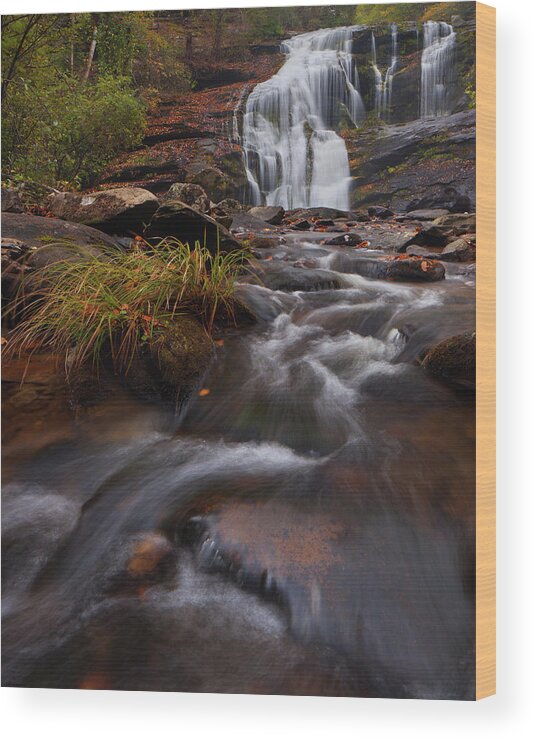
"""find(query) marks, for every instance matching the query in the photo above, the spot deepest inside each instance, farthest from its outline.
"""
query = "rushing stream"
(311, 517)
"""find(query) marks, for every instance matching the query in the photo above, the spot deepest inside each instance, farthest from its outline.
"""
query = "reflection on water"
(305, 528)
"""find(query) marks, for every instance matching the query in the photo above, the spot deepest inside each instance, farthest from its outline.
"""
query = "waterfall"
(438, 70)
(293, 156)
(384, 87)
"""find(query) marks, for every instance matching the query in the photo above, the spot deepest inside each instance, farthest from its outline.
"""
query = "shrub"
(115, 305)
(67, 131)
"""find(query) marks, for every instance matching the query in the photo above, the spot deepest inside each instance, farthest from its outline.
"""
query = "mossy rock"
(172, 363)
(453, 359)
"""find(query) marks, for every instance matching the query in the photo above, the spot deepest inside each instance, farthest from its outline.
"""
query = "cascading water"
(384, 87)
(438, 70)
(293, 155)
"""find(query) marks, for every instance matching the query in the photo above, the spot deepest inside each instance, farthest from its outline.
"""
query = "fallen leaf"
(204, 392)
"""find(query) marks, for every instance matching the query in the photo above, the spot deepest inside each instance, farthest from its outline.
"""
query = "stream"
(305, 525)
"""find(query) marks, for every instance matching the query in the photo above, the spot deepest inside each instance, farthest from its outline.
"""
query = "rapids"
(306, 527)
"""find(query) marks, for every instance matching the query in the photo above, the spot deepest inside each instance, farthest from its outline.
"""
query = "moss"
(182, 352)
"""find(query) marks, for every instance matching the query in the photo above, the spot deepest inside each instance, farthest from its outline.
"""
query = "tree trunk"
(92, 47)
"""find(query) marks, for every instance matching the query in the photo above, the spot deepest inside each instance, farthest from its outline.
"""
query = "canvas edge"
(486, 351)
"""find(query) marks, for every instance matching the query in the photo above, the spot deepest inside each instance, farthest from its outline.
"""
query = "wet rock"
(446, 197)
(453, 359)
(264, 242)
(430, 236)
(288, 278)
(362, 217)
(152, 555)
(11, 201)
(115, 211)
(189, 193)
(173, 362)
(324, 223)
(414, 268)
(460, 250)
(424, 214)
(457, 223)
(406, 167)
(422, 252)
(380, 212)
(269, 214)
(345, 240)
(316, 213)
(185, 223)
(302, 225)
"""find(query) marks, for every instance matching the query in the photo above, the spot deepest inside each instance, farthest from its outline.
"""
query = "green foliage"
(471, 95)
(402, 12)
(66, 131)
(112, 306)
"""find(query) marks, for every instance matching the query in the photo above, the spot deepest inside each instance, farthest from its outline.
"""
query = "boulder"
(302, 225)
(345, 240)
(185, 223)
(276, 276)
(453, 359)
(414, 268)
(269, 214)
(11, 201)
(460, 250)
(214, 181)
(430, 236)
(380, 212)
(173, 362)
(189, 193)
(38, 231)
(115, 211)
(229, 206)
(457, 223)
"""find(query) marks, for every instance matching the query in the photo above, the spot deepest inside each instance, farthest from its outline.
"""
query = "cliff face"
(396, 158)
(406, 84)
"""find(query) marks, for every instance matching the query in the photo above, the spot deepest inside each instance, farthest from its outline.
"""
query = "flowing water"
(293, 155)
(437, 69)
(384, 86)
(306, 527)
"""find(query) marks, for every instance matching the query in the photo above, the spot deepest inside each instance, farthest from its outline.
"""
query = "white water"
(293, 155)
(384, 86)
(438, 70)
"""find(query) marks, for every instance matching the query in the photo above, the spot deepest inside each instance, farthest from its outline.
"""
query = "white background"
(48, 714)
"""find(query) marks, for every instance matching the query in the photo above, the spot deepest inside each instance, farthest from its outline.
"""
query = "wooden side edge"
(486, 351)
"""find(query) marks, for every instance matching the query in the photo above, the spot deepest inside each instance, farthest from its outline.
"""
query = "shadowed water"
(306, 527)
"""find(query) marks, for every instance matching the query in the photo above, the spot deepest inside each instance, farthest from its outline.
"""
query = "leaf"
(204, 392)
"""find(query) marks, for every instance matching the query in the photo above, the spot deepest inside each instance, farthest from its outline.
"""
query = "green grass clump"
(116, 304)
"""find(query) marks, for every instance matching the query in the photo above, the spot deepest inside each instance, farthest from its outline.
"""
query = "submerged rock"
(453, 359)
(115, 211)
